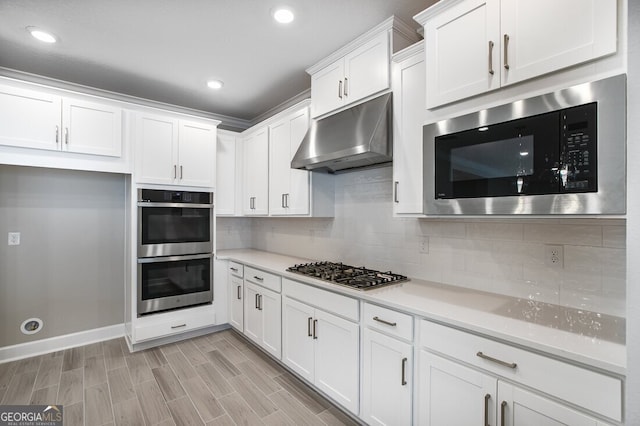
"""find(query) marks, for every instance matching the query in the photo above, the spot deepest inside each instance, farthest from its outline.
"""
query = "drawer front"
(327, 301)
(589, 389)
(262, 278)
(161, 325)
(389, 321)
(236, 269)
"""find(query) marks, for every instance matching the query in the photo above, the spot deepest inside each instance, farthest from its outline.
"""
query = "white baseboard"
(58, 343)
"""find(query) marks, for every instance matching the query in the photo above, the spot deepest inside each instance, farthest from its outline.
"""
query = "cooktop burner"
(359, 278)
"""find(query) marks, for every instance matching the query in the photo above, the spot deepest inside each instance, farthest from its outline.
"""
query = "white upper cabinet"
(408, 112)
(228, 177)
(174, 152)
(474, 46)
(358, 70)
(255, 193)
(41, 120)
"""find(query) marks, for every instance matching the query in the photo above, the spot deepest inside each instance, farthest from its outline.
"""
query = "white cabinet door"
(452, 394)
(297, 337)
(256, 174)
(236, 304)
(387, 378)
(298, 198)
(518, 407)
(91, 128)
(327, 89)
(226, 173)
(462, 45)
(279, 166)
(252, 313)
(29, 119)
(270, 304)
(196, 154)
(367, 69)
(337, 359)
(408, 112)
(546, 35)
(156, 149)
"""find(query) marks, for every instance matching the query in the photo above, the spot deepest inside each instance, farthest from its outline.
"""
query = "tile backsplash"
(505, 256)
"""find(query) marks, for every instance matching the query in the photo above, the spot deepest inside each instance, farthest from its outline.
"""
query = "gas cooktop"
(359, 278)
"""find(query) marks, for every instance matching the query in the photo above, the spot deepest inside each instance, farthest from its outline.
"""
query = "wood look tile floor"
(218, 379)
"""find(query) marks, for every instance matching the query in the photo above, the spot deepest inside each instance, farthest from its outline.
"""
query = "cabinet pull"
(309, 326)
(506, 57)
(66, 136)
(282, 201)
(180, 171)
(257, 301)
(497, 361)
(392, 324)
(491, 44)
(487, 397)
(315, 324)
(258, 278)
(234, 269)
(57, 134)
(178, 326)
(345, 87)
(404, 371)
(239, 293)
(340, 89)
(503, 408)
(395, 191)
(286, 203)
(175, 171)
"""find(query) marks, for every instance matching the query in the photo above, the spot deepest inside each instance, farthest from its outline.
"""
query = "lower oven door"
(174, 282)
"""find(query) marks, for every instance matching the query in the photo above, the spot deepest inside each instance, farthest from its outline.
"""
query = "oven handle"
(177, 205)
(174, 258)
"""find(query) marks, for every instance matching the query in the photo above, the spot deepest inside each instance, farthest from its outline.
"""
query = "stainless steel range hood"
(357, 137)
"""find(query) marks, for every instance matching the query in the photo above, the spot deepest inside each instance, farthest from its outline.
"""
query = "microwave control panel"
(579, 153)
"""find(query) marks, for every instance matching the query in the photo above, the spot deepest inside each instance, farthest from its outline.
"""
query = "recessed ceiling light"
(283, 16)
(215, 84)
(41, 35)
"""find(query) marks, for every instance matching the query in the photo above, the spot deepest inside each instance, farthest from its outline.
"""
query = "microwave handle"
(173, 258)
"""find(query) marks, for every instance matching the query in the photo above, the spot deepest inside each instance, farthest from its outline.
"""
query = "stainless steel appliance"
(560, 153)
(174, 222)
(358, 278)
(175, 249)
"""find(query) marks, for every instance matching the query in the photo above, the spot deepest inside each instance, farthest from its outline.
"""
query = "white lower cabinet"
(319, 345)
(236, 296)
(169, 323)
(262, 315)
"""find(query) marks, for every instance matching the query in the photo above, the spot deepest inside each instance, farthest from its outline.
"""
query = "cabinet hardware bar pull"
(178, 326)
(345, 86)
(175, 171)
(340, 89)
(239, 295)
(234, 269)
(497, 361)
(258, 278)
(315, 324)
(180, 171)
(392, 324)
(491, 44)
(404, 371)
(487, 397)
(287, 201)
(66, 135)
(57, 134)
(309, 326)
(503, 407)
(395, 191)
(506, 57)
(257, 301)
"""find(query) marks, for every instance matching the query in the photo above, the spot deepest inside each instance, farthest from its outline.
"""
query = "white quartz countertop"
(475, 311)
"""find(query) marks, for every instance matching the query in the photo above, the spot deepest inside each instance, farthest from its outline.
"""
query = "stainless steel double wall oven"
(175, 249)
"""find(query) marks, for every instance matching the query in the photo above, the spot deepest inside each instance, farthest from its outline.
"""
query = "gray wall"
(69, 268)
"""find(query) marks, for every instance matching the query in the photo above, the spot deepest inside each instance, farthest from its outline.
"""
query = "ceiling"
(166, 50)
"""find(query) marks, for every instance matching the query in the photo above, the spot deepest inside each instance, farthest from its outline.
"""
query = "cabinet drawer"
(327, 301)
(389, 321)
(236, 269)
(265, 279)
(161, 325)
(589, 389)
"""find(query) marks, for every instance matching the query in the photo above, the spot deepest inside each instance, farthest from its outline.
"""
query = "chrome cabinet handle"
(239, 294)
(404, 371)
(506, 45)
(340, 89)
(309, 327)
(497, 361)
(175, 171)
(345, 87)
(487, 397)
(491, 44)
(66, 135)
(392, 324)
(258, 278)
(57, 134)
(503, 408)
(315, 324)
(286, 203)
(178, 326)
(257, 301)
(180, 171)
(234, 269)
(282, 201)
(395, 191)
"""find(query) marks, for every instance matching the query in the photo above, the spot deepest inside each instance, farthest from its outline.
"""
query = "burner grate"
(359, 278)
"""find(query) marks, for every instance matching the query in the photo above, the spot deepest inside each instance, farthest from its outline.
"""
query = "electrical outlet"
(14, 239)
(554, 256)
(424, 245)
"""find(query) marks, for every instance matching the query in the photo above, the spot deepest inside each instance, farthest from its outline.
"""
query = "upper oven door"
(174, 228)
(518, 157)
